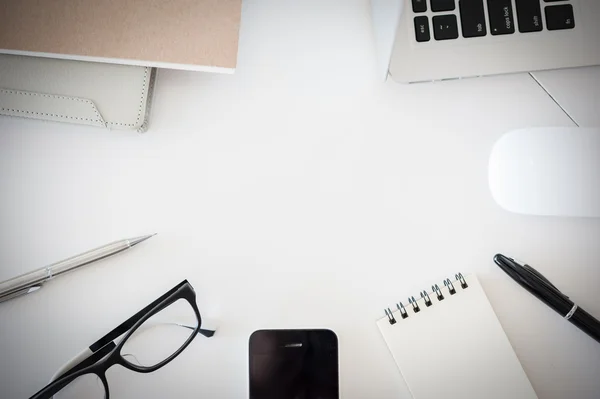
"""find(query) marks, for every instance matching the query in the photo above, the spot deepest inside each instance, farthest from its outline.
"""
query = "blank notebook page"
(456, 348)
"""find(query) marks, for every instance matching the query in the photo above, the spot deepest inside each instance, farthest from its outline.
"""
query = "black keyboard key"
(472, 18)
(445, 27)
(442, 5)
(501, 17)
(529, 15)
(422, 29)
(560, 17)
(419, 5)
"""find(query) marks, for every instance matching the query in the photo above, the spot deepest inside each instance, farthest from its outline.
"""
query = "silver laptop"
(448, 39)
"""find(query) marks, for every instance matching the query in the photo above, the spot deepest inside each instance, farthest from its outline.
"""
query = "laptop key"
(529, 15)
(472, 18)
(445, 27)
(501, 17)
(419, 5)
(442, 5)
(422, 29)
(560, 17)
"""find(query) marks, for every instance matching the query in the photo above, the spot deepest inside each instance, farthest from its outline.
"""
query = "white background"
(299, 192)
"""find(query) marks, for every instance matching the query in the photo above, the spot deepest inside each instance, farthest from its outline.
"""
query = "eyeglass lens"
(161, 335)
(154, 341)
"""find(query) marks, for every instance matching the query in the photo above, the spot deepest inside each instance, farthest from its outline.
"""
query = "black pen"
(534, 282)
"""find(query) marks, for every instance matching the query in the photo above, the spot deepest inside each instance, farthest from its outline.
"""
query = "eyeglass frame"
(105, 353)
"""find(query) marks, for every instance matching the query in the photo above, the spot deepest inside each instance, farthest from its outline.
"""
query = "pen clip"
(24, 291)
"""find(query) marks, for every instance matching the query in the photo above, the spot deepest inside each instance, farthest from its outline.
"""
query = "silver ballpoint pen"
(32, 281)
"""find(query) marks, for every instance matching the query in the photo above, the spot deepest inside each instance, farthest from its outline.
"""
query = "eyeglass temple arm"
(80, 357)
(127, 324)
(87, 357)
(206, 333)
(82, 360)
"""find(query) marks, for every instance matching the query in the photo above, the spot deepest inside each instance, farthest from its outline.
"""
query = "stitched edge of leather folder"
(29, 113)
(141, 122)
(145, 84)
(144, 126)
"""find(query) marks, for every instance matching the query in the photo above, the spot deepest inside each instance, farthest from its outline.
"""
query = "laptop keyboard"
(470, 21)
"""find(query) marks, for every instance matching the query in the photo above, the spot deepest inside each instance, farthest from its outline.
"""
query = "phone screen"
(294, 364)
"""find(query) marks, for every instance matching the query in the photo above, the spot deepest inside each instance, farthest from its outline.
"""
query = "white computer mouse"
(547, 171)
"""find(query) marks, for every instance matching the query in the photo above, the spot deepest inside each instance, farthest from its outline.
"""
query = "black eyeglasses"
(153, 337)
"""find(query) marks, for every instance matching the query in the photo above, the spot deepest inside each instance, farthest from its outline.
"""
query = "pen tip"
(137, 240)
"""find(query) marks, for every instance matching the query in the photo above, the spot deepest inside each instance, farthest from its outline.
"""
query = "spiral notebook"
(449, 344)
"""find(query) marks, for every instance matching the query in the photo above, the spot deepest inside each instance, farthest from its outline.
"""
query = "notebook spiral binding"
(435, 292)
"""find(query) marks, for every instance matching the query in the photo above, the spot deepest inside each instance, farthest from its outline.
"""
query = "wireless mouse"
(547, 171)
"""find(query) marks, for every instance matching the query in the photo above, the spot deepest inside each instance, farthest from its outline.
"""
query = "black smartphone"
(294, 364)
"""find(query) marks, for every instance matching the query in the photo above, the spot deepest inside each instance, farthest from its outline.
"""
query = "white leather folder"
(87, 93)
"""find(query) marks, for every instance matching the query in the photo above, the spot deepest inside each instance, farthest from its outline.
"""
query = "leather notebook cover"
(87, 93)
(197, 35)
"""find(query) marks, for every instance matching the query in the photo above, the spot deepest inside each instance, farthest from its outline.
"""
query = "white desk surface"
(299, 192)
